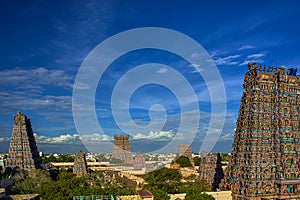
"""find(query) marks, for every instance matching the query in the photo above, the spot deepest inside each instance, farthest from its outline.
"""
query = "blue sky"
(43, 44)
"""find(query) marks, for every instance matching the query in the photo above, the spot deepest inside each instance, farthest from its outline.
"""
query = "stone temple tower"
(265, 159)
(80, 164)
(23, 152)
(121, 149)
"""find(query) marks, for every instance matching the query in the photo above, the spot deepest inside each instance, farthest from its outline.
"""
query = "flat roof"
(144, 193)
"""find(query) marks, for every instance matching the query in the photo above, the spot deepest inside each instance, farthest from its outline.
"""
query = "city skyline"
(44, 44)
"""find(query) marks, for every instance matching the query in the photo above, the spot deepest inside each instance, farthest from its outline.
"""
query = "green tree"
(194, 194)
(225, 157)
(165, 179)
(49, 159)
(160, 194)
(65, 158)
(115, 161)
(28, 183)
(197, 161)
(184, 161)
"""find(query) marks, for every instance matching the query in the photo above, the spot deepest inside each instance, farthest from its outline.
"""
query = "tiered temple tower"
(121, 149)
(210, 169)
(185, 150)
(265, 162)
(80, 164)
(139, 161)
(23, 152)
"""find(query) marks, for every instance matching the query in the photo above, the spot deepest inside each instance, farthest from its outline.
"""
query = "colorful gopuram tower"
(80, 164)
(265, 162)
(210, 169)
(121, 149)
(23, 152)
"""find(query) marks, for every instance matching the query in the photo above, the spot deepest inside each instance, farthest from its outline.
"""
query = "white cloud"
(162, 70)
(67, 138)
(227, 137)
(257, 57)
(216, 53)
(34, 78)
(4, 139)
(25, 88)
(246, 47)
(18, 100)
(95, 137)
(228, 60)
(72, 139)
(154, 135)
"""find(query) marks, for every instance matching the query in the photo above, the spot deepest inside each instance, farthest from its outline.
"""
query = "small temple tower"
(80, 164)
(23, 152)
(185, 150)
(265, 161)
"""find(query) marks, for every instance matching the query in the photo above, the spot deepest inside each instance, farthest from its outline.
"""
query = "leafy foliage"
(68, 185)
(64, 185)
(61, 158)
(197, 161)
(194, 194)
(168, 181)
(164, 179)
(184, 161)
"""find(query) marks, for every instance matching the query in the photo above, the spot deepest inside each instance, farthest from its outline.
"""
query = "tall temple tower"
(210, 169)
(265, 157)
(80, 164)
(121, 149)
(23, 152)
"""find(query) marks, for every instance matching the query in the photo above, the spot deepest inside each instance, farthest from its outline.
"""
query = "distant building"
(141, 195)
(210, 169)
(265, 162)
(185, 150)
(145, 194)
(94, 197)
(80, 164)
(121, 149)
(25, 197)
(23, 152)
(2, 193)
(139, 161)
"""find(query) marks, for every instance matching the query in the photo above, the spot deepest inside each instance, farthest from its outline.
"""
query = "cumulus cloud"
(67, 138)
(71, 139)
(95, 137)
(154, 135)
